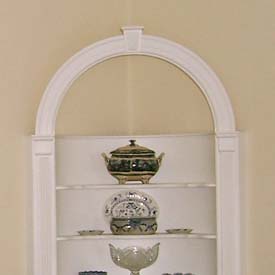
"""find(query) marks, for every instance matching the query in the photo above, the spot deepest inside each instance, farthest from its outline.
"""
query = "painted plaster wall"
(237, 40)
(134, 95)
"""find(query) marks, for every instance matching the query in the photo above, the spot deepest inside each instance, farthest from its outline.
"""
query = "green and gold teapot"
(133, 163)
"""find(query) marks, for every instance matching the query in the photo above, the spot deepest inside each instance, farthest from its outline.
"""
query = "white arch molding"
(134, 42)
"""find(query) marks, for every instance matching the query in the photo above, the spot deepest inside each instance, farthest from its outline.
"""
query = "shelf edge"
(139, 186)
(131, 237)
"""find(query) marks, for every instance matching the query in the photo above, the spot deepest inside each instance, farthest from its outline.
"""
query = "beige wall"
(237, 40)
(134, 95)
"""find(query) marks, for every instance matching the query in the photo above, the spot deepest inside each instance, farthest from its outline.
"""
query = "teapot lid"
(133, 149)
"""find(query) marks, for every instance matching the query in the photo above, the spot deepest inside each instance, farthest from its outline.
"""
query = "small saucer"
(179, 231)
(90, 232)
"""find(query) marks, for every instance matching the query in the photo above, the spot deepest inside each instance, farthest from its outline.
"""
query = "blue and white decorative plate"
(130, 204)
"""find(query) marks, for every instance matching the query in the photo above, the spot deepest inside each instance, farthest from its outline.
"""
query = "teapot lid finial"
(132, 142)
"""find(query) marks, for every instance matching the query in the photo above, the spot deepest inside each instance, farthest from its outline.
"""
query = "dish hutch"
(197, 185)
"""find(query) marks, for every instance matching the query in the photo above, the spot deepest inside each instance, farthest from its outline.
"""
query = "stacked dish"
(132, 213)
(92, 273)
(90, 232)
(179, 231)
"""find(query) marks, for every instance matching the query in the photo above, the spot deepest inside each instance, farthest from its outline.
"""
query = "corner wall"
(237, 40)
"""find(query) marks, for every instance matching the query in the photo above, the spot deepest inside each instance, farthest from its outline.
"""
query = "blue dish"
(134, 226)
(92, 273)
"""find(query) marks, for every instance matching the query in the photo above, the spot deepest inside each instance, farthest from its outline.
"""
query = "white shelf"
(131, 237)
(189, 157)
(137, 186)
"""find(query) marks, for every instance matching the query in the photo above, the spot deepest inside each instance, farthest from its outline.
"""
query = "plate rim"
(150, 204)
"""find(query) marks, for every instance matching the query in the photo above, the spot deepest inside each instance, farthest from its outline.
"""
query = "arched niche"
(134, 95)
(134, 42)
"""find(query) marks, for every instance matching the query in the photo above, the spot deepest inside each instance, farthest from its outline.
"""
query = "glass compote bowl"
(134, 258)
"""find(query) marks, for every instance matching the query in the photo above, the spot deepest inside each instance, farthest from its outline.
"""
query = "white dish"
(179, 231)
(131, 203)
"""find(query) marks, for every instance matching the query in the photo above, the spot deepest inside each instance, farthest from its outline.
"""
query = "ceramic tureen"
(133, 163)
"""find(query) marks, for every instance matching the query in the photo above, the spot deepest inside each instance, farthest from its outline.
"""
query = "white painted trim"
(228, 204)
(161, 235)
(44, 206)
(133, 42)
(133, 37)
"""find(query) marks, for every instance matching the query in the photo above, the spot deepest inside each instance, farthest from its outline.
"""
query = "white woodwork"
(139, 44)
(133, 37)
(44, 210)
(188, 158)
(57, 169)
(137, 186)
(228, 203)
(192, 208)
(175, 255)
(161, 235)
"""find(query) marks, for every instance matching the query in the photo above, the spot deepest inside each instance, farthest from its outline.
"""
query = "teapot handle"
(159, 158)
(105, 158)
